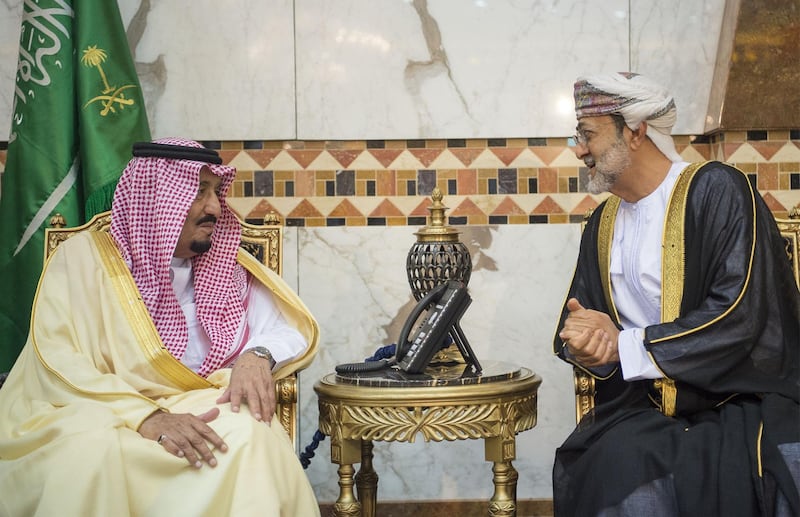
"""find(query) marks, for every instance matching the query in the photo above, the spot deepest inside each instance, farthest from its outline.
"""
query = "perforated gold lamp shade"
(438, 255)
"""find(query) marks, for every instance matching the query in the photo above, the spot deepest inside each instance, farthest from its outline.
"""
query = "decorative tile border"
(484, 181)
(494, 181)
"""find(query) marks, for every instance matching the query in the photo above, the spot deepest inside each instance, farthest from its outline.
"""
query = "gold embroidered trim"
(669, 395)
(758, 449)
(673, 260)
(744, 286)
(605, 235)
(139, 318)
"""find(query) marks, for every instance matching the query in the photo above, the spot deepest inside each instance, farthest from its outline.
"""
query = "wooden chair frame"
(264, 242)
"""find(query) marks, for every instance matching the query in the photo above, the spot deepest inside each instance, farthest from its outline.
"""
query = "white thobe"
(264, 323)
(636, 274)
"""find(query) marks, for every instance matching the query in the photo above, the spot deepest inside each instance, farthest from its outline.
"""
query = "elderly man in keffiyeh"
(146, 385)
(684, 311)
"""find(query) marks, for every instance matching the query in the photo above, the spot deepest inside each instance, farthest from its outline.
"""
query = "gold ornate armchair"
(790, 231)
(264, 242)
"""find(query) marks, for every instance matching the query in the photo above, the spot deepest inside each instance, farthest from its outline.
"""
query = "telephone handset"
(445, 304)
(449, 301)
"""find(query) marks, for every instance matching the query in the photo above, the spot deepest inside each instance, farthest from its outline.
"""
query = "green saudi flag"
(78, 107)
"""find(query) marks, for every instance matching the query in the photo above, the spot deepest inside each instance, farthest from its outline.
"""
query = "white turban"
(636, 98)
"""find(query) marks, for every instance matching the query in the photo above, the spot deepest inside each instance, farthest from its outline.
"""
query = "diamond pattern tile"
(484, 181)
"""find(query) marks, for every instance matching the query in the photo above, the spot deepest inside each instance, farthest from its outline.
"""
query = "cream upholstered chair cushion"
(264, 242)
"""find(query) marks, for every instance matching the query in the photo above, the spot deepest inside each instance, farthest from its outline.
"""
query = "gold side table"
(443, 404)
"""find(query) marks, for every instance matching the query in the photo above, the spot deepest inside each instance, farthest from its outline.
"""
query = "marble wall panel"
(448, 68)
(676, 43)
(222, 70)
(354, 281)
(217, 69)
(209, 69)
(498, 69)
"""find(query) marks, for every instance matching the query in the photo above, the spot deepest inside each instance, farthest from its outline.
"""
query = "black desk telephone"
(447, 303)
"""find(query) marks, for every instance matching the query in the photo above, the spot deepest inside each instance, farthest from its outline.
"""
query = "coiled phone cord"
(381, 353)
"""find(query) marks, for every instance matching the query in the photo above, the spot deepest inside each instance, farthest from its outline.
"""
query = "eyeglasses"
(580, 138)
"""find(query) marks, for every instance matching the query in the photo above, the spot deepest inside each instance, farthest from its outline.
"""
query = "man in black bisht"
(684, 310)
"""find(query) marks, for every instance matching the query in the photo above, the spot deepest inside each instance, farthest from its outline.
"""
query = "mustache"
(207, 219)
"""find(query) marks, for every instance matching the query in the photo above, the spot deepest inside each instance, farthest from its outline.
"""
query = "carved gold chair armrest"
(790, 230)
(584, 393)
(286, 395)
(265, 242)
(59, 232)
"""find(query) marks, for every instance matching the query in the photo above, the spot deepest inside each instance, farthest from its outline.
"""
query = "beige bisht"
(93, 369)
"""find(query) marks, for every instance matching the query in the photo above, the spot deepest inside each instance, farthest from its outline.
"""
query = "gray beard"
(608, 168)
(601, 182)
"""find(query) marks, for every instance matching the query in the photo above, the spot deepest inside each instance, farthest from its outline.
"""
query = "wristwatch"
(262, 352)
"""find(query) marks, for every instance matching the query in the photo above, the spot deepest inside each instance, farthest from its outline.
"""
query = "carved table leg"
(345, 453)
(504, 500)
(501, 451)
(367, 481)
(346, 505)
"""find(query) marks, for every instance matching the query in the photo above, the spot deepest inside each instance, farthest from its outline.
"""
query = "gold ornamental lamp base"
(436, 257)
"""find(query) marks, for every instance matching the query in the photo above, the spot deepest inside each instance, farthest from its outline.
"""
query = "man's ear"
(638, 135)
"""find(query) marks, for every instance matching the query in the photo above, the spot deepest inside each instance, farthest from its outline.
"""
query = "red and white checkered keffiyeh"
(150, 206)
